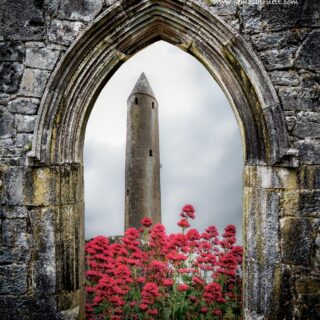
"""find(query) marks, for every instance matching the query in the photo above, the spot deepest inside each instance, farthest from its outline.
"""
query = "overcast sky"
(200, 146)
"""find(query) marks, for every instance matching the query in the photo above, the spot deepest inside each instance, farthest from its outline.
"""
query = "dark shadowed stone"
(13, 279)
(259, 18)
(309, 79)
(299, 99)
(41, 58)
(11, 52)
(308, 55)
(309, 307)
(286, 293)
(85, 10)
(279, 40)
(309, 203)
(21, 20)
(6, 123)
(296, 240)
(25, 123)
(310, 13)
(64, 32)
(307, 125)
(29, 308)
(10, 76)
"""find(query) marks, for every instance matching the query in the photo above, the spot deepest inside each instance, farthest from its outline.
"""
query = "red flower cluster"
(152, 275)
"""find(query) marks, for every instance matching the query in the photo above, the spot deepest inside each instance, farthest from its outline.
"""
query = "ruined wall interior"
(55, 56)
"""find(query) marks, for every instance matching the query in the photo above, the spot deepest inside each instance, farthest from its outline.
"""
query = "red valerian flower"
(182, 287)
(188, 211)
(147, 222)
(167, 282)
(229, 231)
(212, 292)
(183, 223)
(135, 278)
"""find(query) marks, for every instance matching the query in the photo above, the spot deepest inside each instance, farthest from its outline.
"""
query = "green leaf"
(229, 315)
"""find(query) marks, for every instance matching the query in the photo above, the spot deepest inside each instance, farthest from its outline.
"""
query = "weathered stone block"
(308, 55)
(71, 184)
(6, 123)
(13, 279)
(42, 186)
(24, 140)
(270, 177)
(299, 99)
(224, 9)
(12, 191)
(309, 151)
(11, 52)
(14, 232)
(13, 212)
(278, 58)
(262, 207)
(30, 186)
(287, 78)
(33, 82)
(41, 58)
(17, 254)
(10, 76)
(69, 222)
(85, 10)
(44, 265)
(64, 32)
(25, 123)
(24, 105)
(296, 240)
(307, 125)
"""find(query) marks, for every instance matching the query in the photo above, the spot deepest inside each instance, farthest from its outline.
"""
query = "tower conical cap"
(143, 86)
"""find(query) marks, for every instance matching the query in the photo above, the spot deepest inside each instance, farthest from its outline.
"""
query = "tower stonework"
(142, 175)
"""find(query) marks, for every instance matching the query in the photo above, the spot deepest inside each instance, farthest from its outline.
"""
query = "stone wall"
(41, 215)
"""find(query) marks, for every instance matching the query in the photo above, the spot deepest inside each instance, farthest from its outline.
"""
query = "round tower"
(142, 176)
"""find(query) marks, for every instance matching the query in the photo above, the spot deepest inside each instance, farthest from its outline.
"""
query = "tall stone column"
(142, 176)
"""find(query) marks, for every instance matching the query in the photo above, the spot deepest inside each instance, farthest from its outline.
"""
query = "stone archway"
(52, 181)
(112, 39)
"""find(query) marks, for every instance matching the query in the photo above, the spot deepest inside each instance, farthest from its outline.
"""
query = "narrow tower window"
(127, 192)
(152, 105)
(136, 100)
(150, 153)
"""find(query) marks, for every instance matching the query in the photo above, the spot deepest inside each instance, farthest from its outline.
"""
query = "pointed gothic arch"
(126, 28)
